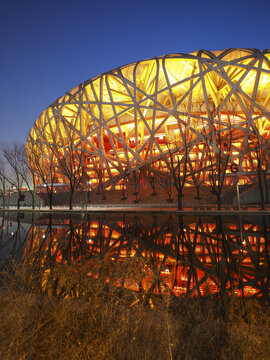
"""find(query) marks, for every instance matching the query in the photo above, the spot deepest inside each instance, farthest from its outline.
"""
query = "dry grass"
(102, 325)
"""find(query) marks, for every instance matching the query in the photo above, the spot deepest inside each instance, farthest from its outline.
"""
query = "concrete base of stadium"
(249, 195)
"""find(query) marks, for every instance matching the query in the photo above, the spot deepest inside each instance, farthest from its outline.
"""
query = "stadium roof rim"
(193, 55)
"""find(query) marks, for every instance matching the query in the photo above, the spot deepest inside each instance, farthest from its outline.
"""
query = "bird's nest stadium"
(128, 120)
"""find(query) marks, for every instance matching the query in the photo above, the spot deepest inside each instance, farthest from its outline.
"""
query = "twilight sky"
(50, 46)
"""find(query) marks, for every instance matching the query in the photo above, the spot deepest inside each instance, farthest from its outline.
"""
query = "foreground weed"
(72, 313)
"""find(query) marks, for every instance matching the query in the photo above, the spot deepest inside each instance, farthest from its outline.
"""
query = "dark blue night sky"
(50, 46)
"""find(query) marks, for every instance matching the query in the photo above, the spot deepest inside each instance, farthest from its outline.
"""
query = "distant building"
(121, 124)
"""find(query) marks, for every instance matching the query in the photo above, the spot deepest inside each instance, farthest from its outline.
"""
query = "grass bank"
(65, 314)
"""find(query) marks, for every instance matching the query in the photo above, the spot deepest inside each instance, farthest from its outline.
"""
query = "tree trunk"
(50, 200)
(198, 193)
(179, 198)
(266, 188)
(123, 194)
(50, 196)
(261, 188)
(71, 198)
(4, 201)
(218, 200)
(18, 201)
(33, 200)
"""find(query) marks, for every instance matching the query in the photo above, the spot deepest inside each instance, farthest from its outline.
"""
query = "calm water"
(183, 255)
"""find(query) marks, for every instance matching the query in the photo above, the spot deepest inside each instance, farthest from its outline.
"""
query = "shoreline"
(145, 208)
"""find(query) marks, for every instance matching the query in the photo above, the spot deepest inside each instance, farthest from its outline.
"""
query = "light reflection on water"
(183, 255)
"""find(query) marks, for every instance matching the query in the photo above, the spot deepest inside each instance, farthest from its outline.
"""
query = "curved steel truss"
(128, 118)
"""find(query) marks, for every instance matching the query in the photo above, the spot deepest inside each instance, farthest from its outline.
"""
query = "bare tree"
(218, 149)
(70, 162)
(15, 173)
(2, 182)
(26, 173)
(135, 178)
(166, 183)
(123, 183)
(265, 172)
(197, 172)
(178, 168)
(19, 174)
(260, 164)
(42, 168)
(152, 178)
(97, 162)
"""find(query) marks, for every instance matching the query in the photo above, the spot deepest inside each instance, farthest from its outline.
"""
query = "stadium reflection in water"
(182, 255)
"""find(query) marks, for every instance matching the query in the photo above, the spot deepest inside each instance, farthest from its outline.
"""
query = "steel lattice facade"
(126, 119)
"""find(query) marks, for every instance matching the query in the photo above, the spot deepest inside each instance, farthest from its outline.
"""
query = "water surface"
(181, 255)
